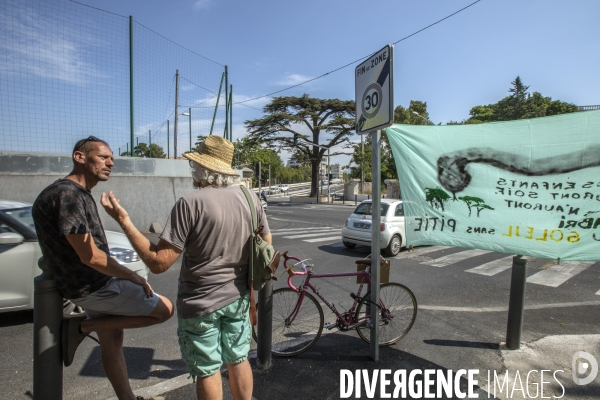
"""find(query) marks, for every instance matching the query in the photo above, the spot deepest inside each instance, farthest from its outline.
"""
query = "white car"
(19, 254)
(283, 187)
(357, 229)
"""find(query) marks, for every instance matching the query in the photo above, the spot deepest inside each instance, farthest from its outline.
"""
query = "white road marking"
(312, 234)
(493, 267)
(558, 274)
(505, 308)
(454, 258)
(303, 229)
(323, 239)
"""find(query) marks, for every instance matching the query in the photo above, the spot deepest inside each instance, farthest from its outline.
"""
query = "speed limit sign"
(374, 91)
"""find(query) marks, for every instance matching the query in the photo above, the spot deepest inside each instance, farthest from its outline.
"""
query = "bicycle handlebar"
(290, 269)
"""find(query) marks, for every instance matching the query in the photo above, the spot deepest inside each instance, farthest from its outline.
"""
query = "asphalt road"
(457, 308)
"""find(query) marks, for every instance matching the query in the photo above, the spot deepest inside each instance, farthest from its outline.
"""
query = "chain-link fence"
(65, 75)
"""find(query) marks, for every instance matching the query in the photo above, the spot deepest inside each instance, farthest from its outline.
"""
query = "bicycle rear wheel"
(396, 316)
(291, 339)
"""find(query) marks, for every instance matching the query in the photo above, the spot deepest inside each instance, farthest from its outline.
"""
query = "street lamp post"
(420, 116)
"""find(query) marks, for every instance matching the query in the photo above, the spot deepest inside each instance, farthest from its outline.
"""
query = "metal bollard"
(47, 323)
(265, 325)
(516, 304)
(343, 198)
(355, 199)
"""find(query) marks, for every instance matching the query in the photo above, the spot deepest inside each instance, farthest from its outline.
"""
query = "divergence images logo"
(584, 363)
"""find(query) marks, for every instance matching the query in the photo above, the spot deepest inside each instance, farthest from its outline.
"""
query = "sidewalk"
(316, 373)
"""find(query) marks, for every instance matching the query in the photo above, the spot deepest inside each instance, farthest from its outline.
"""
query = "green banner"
(529, 187)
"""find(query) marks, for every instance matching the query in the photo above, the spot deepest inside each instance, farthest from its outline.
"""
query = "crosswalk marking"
(313, 234)
(454, 258)
(552, 277)
(558, 274)
(304, 229)
(323, 239)
(493, 267)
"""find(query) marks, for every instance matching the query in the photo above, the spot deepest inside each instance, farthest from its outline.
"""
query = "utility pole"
(269, 176)
(176, 114)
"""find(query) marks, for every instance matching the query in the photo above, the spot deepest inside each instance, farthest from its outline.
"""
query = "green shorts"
(222, 336)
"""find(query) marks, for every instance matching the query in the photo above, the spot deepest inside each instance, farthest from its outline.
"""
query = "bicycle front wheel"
(396, 316)
(292, 337)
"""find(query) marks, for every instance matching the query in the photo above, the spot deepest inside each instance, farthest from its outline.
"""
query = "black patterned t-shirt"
(65, 208)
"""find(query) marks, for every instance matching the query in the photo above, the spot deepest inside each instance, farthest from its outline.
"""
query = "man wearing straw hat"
(211, 227)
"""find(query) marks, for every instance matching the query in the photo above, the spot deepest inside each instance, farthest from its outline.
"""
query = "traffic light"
(295, 139)
(330, 177)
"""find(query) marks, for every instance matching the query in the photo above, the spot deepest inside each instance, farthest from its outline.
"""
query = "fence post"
(265, 324)
(516, 304)
(47, 323)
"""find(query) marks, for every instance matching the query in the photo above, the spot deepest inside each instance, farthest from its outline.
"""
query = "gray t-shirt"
(212, 227)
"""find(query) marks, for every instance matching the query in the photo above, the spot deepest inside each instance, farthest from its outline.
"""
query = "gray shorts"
(118, 297)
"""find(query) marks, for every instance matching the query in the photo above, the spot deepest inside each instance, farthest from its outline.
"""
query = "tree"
(520, 104)
(407, 115)
(142, 150)
(388, 167)
(287, 117)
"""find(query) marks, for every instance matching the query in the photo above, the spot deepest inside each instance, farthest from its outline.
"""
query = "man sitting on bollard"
(211, 226)
(74, 246)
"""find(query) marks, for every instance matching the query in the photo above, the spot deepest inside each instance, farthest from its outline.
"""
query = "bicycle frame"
(306, 284)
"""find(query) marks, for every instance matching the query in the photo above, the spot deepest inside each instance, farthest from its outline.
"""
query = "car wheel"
(394, 247)
(349, 245)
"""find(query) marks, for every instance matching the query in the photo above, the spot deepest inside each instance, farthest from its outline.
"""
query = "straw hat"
(215, 154)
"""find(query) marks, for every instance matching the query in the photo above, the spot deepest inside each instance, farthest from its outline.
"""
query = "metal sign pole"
(375, 248)
(374, 98)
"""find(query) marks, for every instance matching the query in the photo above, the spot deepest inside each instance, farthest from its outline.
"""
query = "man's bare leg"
(240, 380)
(162, 312)
(113, 361)
(210, 387)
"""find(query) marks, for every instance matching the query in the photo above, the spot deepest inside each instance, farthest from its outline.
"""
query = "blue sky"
(466, 60)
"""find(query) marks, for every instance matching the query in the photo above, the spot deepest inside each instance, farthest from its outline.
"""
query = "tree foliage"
(520, 104)
(407, 115)
(324, 122)
(143, 150)
(364, 158)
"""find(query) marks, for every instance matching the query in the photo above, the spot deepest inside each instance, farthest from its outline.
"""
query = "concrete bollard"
(265, 325)
(47, 324)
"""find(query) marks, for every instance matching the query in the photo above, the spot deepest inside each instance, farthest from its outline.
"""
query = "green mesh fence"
(65, 75)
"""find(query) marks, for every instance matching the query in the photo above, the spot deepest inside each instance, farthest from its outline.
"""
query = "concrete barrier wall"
(148, 188)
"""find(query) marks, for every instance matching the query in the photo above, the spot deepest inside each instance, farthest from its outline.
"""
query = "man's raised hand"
(113, 207)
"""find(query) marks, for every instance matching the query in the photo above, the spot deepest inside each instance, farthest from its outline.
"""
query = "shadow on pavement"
(316, 373)
(462, 343)
(14, 318)
(140, 364)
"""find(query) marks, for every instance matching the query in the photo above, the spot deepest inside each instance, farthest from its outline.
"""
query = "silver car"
(19, 254)
(357, 229)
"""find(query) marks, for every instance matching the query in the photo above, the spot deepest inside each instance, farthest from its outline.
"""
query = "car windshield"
(365, 209)
(23, 215)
